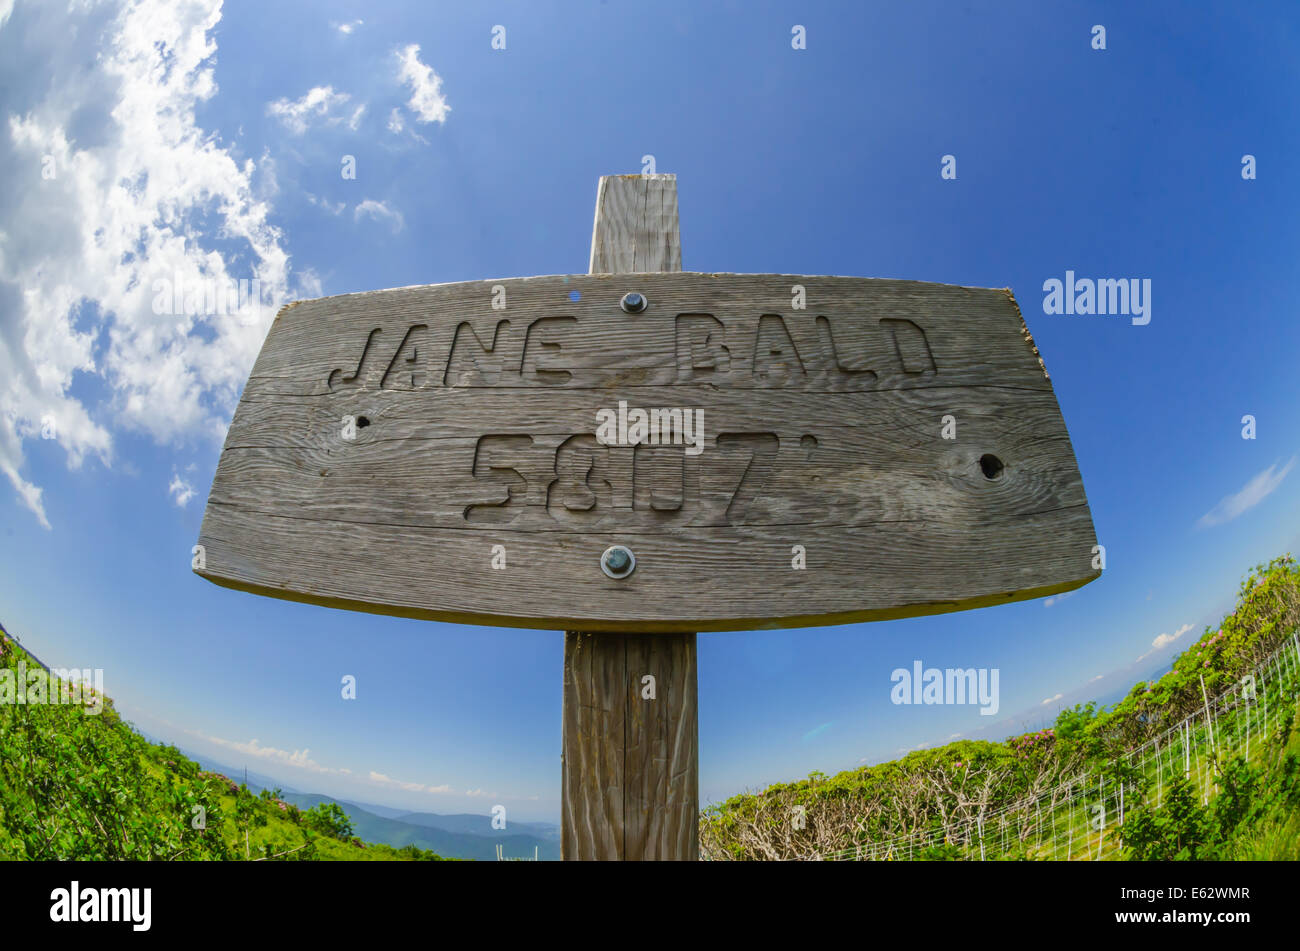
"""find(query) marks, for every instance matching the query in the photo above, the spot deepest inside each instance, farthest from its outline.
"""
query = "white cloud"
(382, 780)
(395, 122)
(347, 28)
(1164, 640)
(427, 101)
(1052, 699)
(380, 211)
(28, 494)
(137, 193)
(319, 102)
(1095, 679)
(325, 204)
(6, 8)
(1250, 495)
(299, 759)
(308, 284)
(1055, 599)
(180, 490)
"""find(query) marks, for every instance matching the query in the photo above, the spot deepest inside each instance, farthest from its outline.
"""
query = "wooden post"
(631, 765)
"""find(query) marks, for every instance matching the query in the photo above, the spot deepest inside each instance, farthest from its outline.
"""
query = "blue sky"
(190, 134)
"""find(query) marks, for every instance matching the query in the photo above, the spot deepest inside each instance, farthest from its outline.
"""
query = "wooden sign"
(639, 454)
(761, 450)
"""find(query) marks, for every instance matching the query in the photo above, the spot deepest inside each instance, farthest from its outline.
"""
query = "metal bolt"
(634, 303)
(617, 561)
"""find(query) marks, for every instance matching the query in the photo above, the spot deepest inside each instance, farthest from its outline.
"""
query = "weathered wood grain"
(636, 225)
(630, 777)
(822, 429)
(594, 746)
(852, 474)
(661, 762)
(723, 579)
(630, 737)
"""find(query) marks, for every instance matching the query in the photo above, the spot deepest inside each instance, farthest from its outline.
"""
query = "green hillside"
(1203, 763)
(81, 785)
(1200, 764)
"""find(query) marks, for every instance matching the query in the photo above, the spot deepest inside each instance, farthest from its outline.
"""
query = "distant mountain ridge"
(417, 829)
(460, 835)
(474, 824)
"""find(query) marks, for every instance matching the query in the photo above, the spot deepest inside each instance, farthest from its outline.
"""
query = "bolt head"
(617, 561)
(633, 303)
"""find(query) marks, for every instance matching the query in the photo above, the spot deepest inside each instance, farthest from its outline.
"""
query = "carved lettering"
(911, 346)
(660, 480)
(538, 337)
(776, 361)
(834, 365)
(475, 363)
(586, 476)
(735, 474)
(339, 379)
(701, 349)
(592, 486)
(552, 352)
(408, 370)
(498, 460)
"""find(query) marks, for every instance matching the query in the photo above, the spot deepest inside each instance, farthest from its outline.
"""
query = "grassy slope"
(947, 787)
(78, 785)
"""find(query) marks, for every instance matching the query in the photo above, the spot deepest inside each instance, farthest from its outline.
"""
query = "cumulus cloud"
(380, 211)
(1052, 699)
(1250, 495)
(349, 27)
(319, 103)
(427, 100)
(1164, 640)
(122, 189)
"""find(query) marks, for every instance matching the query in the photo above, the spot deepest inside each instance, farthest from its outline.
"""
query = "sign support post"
(631, 745)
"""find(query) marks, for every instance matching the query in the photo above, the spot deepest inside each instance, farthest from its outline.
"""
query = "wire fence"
(1081, 818)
